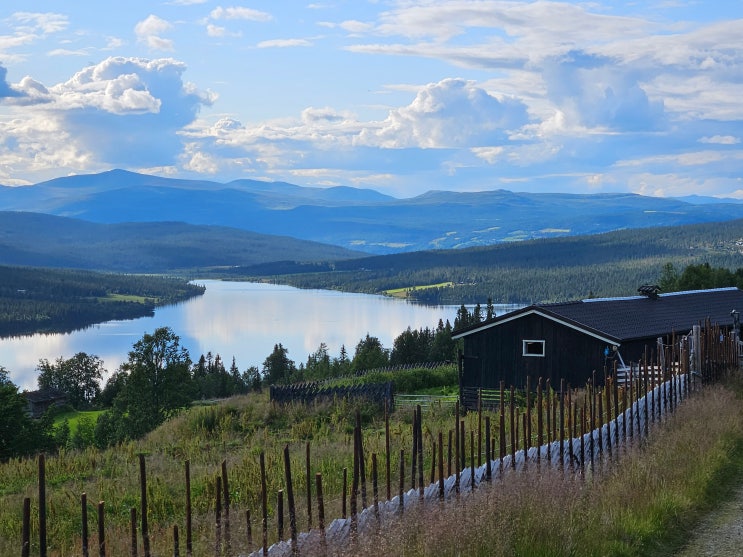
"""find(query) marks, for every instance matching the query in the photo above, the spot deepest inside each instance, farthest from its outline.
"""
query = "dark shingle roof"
(44, 395)
(636, 317)
(642, 317)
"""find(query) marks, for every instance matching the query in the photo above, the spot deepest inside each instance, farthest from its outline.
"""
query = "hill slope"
(355, 218)
(41, 240)
(555, 269)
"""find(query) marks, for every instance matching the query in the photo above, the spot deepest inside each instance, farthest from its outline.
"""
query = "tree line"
(159, 379)
(36, 300)
(534, 271)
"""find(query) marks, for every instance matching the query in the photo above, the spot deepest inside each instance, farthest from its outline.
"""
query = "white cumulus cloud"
(721, 140)
(448, 114)
(240, 12)
(150, 31)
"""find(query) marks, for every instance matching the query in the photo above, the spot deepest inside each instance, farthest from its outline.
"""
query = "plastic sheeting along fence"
(631, 424)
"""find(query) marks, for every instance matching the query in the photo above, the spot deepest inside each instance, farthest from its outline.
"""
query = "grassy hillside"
(645, 505)
(610, 264)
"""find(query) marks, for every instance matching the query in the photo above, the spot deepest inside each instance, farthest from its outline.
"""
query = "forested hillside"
(610, 264)
(36, 300)
(40, 240)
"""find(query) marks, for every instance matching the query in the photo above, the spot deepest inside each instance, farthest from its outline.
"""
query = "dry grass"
(641, 504)
(644, 503)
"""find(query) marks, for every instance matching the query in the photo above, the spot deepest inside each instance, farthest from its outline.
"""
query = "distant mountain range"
(354, 219)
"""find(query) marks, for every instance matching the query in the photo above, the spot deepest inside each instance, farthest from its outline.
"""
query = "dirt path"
(721, 533)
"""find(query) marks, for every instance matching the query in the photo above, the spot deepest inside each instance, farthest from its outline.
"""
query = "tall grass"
(640, 504)
(646, 502)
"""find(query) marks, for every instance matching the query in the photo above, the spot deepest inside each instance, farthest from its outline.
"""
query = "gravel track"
(720, 534)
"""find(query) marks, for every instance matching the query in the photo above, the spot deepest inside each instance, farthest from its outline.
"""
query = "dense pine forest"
(34, 300)
(559, 269)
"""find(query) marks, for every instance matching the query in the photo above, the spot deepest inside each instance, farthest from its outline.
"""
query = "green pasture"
(73, 418)
(403, 292)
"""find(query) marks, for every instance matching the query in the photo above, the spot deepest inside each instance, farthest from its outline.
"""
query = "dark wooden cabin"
(570, 340)
(38, 402)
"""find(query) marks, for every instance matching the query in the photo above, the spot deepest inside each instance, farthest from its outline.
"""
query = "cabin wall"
(497, 354)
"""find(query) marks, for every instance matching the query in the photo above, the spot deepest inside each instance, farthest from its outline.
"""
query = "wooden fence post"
(388, 459)
(488, 454)
(528, 415)
(345, 493)
(280, 514)
(479, 426)
(562, 423)
(290, 500)
(264, 503)
(583, 435)
(449, 454)
(218, 517)
(457, 464)
(607, 393)
(441, 465)
(524, 418)
(472, 460)
(189, 517)
(362, 460)
(320, 503)
(101, 529)
(355, 481)
(463, 442)
(572, 423)
(600, 424)
(631, 402)
(143, 505)
(414, 456)
(26, 528)
(225, 490)
(502, 428)
(375, 484)
(42, 505)
(540, 420)
(402, 480)
(512, 411)
(309, 485)
(84, 518)
(548, 411)
(420, 450)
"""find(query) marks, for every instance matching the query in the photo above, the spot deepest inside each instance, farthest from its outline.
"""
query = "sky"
(401, 97)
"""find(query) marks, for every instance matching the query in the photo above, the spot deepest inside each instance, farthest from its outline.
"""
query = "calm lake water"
(239, 319)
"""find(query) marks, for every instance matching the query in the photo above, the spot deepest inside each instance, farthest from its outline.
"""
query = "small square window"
(533, 348)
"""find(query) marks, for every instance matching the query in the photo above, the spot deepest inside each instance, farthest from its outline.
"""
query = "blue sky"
(402, 97)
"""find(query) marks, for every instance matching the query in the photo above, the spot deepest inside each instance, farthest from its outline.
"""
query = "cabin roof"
(634, 317)
(44, 395)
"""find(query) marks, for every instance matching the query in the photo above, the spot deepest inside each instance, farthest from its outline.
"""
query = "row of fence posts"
(558, 416)
(554, 417)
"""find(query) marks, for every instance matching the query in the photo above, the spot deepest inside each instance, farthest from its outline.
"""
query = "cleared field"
(405, 291)
(73, 418)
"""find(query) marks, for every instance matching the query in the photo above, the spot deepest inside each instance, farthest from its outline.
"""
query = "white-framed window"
(533, 348)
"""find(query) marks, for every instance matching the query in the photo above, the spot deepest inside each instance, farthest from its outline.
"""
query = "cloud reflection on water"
(244, 320)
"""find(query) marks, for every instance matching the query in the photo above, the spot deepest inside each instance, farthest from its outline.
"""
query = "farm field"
(406, 291)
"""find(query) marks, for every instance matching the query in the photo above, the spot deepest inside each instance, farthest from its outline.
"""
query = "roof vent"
(649, 290)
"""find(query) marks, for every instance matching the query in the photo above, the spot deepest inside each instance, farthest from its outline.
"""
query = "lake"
(239, 319)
